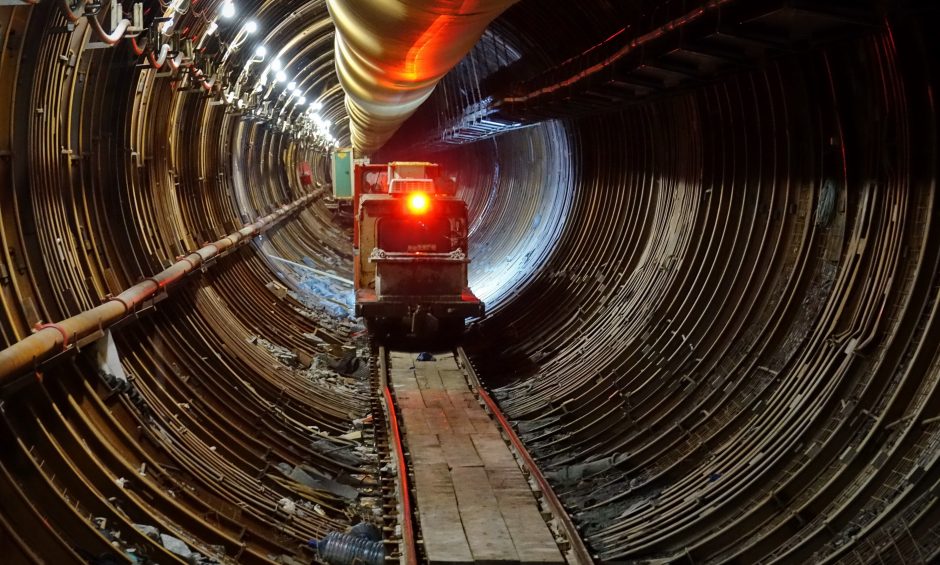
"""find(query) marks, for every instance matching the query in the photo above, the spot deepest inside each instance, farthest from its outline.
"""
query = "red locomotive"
(410, 247)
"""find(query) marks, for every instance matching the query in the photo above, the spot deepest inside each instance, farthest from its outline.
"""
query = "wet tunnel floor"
(474, 504)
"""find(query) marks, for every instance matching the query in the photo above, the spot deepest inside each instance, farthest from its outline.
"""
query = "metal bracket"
(137, 21)
(135, 26)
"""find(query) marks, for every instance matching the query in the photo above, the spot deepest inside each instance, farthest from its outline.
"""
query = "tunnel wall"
(737, 325)
(518, 191)
(110, 169)
(712, 314)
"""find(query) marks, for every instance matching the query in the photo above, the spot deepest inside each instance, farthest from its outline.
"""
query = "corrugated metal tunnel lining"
(711, 266)
(735, 325)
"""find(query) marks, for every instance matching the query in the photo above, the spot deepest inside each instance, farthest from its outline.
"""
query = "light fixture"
(251, 26)
(302, 101)
(418, 202)
(276, 65)
(281, 76)
(228, 10)
(292, 86)
(261, 51)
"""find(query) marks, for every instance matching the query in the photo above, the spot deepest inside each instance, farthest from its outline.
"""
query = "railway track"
(394, 474)
(409, 535)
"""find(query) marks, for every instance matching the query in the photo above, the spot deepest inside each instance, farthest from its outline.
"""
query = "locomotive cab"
(411, 254)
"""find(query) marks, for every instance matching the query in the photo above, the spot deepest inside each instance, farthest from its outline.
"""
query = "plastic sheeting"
(107, 358)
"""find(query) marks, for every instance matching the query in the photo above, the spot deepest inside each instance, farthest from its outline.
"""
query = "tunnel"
(702, 230)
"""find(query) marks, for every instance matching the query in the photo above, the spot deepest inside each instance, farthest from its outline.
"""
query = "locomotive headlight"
(418, 203)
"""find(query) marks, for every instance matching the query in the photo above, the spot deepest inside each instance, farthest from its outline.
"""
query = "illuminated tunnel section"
(518, 186)
(712, 301)
(517, 212)
(731, 353)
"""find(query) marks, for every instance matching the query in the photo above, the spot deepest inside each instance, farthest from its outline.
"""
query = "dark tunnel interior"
(703, 230)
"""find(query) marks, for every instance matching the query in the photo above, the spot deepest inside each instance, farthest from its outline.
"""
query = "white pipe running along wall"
(390, 54)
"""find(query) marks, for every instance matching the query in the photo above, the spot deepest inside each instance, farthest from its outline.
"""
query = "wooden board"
(483, 523)
(473, 502)
(444, 537)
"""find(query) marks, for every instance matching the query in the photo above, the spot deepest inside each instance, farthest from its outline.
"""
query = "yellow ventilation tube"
(391, 53)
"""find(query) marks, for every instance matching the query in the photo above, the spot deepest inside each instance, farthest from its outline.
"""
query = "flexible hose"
(345, 549)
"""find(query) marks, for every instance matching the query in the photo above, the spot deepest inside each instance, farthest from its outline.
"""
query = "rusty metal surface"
(581, 554)
(713, 368)
(51, 338)
(109, 173)
(403, 483)
(712, 270)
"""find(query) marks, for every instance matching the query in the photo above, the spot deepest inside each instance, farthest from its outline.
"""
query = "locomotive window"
(414, 235)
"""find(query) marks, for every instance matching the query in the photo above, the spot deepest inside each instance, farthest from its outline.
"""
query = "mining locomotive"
(410, 252)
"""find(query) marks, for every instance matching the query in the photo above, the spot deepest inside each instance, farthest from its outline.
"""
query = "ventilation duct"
(391, 53)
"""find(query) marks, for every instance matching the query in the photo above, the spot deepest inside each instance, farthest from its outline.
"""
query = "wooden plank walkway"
(474, 504)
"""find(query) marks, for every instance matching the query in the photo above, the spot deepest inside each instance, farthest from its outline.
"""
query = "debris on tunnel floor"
(347, 373)
(310, 477)
(706, 233)
(570, 474)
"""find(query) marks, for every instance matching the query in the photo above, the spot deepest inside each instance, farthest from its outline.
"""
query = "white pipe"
(311, 269)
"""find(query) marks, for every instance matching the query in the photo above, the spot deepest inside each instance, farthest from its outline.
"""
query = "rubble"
(571, 474)
(528, 426)
(344, 453)
(287, 506)
(335, 358)
(352, 364)
(325, 300)
(348, 373)
(285, 356)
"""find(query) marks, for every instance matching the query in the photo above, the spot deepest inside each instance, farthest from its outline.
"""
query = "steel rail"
(580, 550)
(51, 339)
(409, 546)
